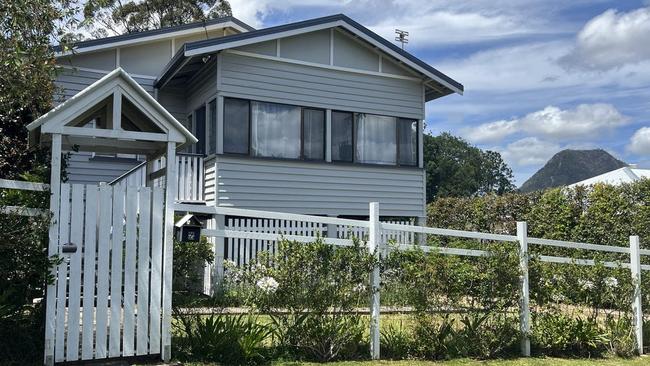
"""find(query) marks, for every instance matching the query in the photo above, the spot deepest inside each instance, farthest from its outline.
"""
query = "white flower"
(268, 284)
(558, 297)
(359, 288)
(586, 285)
(611, 282)
(229, 263)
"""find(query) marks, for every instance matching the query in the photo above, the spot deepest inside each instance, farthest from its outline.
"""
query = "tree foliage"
(27, 68)
(454, 168)
(603, 214)
(112, 17)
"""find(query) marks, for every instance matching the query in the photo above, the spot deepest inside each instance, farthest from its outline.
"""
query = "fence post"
(219, 252)
(374, 235)
(637, 311)
(524, 307)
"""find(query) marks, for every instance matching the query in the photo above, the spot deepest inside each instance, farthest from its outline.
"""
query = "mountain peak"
(571, 166)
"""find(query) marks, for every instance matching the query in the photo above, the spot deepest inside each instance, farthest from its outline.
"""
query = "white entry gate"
(109, 285)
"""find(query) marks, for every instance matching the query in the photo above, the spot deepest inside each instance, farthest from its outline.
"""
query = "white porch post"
(170, 195)
(53, 247)
(637, 312)
(524, 306)
(374, 237)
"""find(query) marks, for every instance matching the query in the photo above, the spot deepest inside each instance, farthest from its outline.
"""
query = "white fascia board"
(268, 37)
(152, 38)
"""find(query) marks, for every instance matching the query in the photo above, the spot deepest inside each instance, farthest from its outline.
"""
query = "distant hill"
(570, 166)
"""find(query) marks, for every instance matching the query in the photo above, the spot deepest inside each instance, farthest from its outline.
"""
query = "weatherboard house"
(316, 117)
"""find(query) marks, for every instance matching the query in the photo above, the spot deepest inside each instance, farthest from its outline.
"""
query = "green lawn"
(639, 361)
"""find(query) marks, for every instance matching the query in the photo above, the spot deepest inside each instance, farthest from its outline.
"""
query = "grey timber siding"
(314, 188)
(85, 169)
(281, 82)
(72, 81)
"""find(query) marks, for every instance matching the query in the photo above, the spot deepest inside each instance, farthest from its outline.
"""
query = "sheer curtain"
(313, 134)
(408, 141)
(376, 139)
(275, 130)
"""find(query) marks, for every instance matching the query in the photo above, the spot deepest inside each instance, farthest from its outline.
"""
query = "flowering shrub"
(312, 293)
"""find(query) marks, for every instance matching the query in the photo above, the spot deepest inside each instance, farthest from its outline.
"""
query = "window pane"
(235, 126)
(314, 134)
(199, 131)
(212, 128)
(341, 136)
(275, 130)
(408, 141)
(376, 139)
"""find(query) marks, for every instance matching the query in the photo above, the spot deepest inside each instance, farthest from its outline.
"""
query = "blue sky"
(539, 75)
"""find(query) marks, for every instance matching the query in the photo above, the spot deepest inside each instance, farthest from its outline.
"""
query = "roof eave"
(134, 38)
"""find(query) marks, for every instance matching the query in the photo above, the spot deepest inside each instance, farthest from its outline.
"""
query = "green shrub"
(228, 339)
(396, 342)
(189, 259)
(561, 335)
(24, 275)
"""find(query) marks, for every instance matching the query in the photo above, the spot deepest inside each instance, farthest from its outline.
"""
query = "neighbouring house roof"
(198, 48)
(157, 124)
(616, 177)
(155, 34)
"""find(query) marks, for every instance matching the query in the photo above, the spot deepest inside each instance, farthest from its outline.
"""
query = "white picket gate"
(109, 291)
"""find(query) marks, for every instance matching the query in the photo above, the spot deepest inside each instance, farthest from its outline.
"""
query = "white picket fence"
(377, 235)
(241, 251)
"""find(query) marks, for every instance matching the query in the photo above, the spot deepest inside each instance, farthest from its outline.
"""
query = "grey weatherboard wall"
(281, 82)
(315, 188)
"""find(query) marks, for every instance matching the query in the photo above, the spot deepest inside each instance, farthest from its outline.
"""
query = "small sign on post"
(188, 229)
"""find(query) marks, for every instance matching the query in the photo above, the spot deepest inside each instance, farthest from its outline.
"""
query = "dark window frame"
(302, 130)
(250, 112)
(397, 141)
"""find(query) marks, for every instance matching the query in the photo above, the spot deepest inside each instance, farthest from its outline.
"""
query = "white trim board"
(322, 66)
(152, 38)
(101, 71)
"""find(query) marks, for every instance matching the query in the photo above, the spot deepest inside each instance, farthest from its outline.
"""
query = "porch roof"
(124, 117)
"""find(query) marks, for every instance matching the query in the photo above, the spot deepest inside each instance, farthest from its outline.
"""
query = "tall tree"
(454, 168)
(112, 17)
(27, 70)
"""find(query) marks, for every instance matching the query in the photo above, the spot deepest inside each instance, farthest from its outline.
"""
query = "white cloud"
(584, 121)
(492, 131)
(529, 151)
(640, 141)
(611, 40)
(445, 27)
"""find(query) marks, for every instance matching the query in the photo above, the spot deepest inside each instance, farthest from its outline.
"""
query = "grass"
(638, 361)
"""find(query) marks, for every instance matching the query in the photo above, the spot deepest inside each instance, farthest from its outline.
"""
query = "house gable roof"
(154, 34)
(217, 44)
(119, 83)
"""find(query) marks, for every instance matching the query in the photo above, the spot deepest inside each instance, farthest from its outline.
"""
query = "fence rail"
(375, 232)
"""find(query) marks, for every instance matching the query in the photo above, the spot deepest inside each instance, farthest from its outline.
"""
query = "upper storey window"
(373, 139)
(273, 130)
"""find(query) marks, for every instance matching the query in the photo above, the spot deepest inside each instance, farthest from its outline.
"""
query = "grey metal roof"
(153, 32)
(179, 57)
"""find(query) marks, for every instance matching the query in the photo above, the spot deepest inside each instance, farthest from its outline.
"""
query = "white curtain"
(275, 130)
(376, 139)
